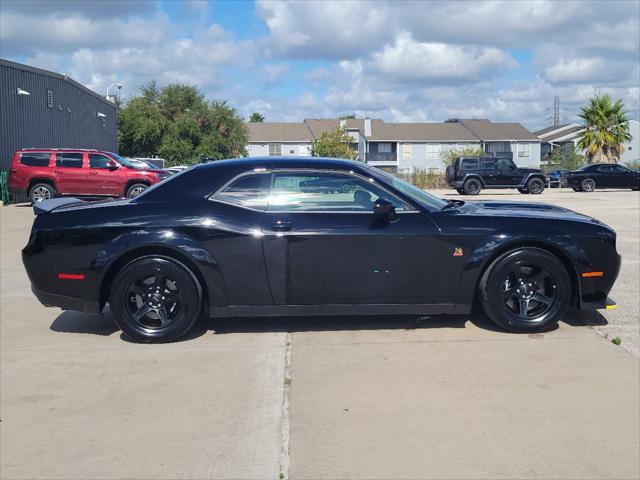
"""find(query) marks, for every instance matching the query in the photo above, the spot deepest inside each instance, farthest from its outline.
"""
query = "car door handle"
(93, 173)
(281, 226)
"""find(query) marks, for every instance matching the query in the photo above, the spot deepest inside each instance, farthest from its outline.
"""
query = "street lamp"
(114, 84)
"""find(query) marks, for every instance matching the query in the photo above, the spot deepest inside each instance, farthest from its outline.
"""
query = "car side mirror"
(111, 165)
(385, 210)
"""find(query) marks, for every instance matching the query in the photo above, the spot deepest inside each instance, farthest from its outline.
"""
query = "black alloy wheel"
(535, 186)
(525, 290)
(588, 185)
(472, 187)
(155, 299)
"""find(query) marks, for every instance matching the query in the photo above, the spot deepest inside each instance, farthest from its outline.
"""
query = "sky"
(402, 61)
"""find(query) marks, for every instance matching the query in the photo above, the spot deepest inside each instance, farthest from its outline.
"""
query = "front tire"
(588, 185)
(155, 299)
(523, 191)
(41, 191)
(472, 187)
(535, 186)
(525, 290)
(576, 189)
(460, 191)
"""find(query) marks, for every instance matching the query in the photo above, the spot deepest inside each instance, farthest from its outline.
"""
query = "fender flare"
(494, 245)
(526, 179)
(475, 176)
(124, 248)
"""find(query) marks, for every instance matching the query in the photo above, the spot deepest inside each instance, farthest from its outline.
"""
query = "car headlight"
(162, 176)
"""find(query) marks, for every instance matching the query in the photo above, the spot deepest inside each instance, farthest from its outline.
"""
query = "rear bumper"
(64, 302)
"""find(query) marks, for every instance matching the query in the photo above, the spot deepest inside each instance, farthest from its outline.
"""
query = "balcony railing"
(381, 157)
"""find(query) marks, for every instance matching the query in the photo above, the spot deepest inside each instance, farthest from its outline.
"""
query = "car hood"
(524, 210)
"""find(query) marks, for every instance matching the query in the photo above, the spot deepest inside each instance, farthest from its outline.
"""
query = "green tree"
(256, 117)
(334, 143)
(348, 116)
(606, 129)
(564, 158)
(177, 123)
(450, 155)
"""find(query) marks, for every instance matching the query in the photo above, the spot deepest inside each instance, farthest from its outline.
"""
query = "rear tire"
(588, 185)
(535, 186)
(155, 299)
(472, 187)
(460, 191)
(525, 290)
(41, 191)
(523, 191)
(576, 189)
(136, 189)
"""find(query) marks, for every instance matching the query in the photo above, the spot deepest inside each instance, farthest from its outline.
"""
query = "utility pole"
(556, 111)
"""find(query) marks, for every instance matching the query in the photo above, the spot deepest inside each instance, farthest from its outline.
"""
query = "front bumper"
(607, 304)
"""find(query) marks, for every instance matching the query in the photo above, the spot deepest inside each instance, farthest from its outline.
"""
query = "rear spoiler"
(47, 206)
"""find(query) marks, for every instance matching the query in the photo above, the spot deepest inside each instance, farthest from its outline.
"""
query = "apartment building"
(400, 146)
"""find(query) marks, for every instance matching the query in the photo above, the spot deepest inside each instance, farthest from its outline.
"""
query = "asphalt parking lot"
(360, 397)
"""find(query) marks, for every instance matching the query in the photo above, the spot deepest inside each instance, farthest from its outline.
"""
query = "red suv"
(43, 173)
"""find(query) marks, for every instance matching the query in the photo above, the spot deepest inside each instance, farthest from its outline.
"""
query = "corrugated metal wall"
(73, 121)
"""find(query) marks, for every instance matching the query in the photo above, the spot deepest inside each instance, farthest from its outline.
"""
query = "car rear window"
(35, 159)
(245, 192)
(469, 163)
(69, 160)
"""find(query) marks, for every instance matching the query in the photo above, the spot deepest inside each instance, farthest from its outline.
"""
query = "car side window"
(469, 163)
(35, 159)
(325, 192)
(98, 161)
(505, 164)
(245, 192)
(488, 164)
(69, 160)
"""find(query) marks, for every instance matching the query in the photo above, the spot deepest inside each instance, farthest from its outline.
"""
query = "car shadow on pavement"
(78, 322)
(104, 325)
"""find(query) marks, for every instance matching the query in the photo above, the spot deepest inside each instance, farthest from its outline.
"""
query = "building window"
(406, 151)
(275, 149)
(50, 98)
(524, 150)
(384, 148)
(433, 151)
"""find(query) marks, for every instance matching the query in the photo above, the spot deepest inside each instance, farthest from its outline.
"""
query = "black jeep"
(469, 175)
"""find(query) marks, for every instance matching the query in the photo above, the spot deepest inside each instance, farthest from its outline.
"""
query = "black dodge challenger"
(313, 236)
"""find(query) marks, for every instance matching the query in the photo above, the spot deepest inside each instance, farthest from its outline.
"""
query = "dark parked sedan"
(246, 237)
(603, 175)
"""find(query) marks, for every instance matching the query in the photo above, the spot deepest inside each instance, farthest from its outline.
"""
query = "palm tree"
(256, 117)
(606, 129)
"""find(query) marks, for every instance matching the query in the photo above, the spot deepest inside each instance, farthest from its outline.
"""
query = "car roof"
(284, 162)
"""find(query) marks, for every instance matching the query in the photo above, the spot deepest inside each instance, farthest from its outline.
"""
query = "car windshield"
(413, 192)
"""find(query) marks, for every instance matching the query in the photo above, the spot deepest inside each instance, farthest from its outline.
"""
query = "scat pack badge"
(458, 252)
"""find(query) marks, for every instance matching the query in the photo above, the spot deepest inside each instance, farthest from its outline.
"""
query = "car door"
(508, 173)
(490, 173)
(605, 177)
(323, 245)
(103, 176)
(69, 173)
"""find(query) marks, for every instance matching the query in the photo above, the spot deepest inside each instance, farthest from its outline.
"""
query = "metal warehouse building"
(45, 109)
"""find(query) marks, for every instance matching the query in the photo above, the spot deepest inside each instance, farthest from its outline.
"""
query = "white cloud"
(410, 61)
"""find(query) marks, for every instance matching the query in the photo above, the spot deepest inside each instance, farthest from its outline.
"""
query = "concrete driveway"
(360, 397)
